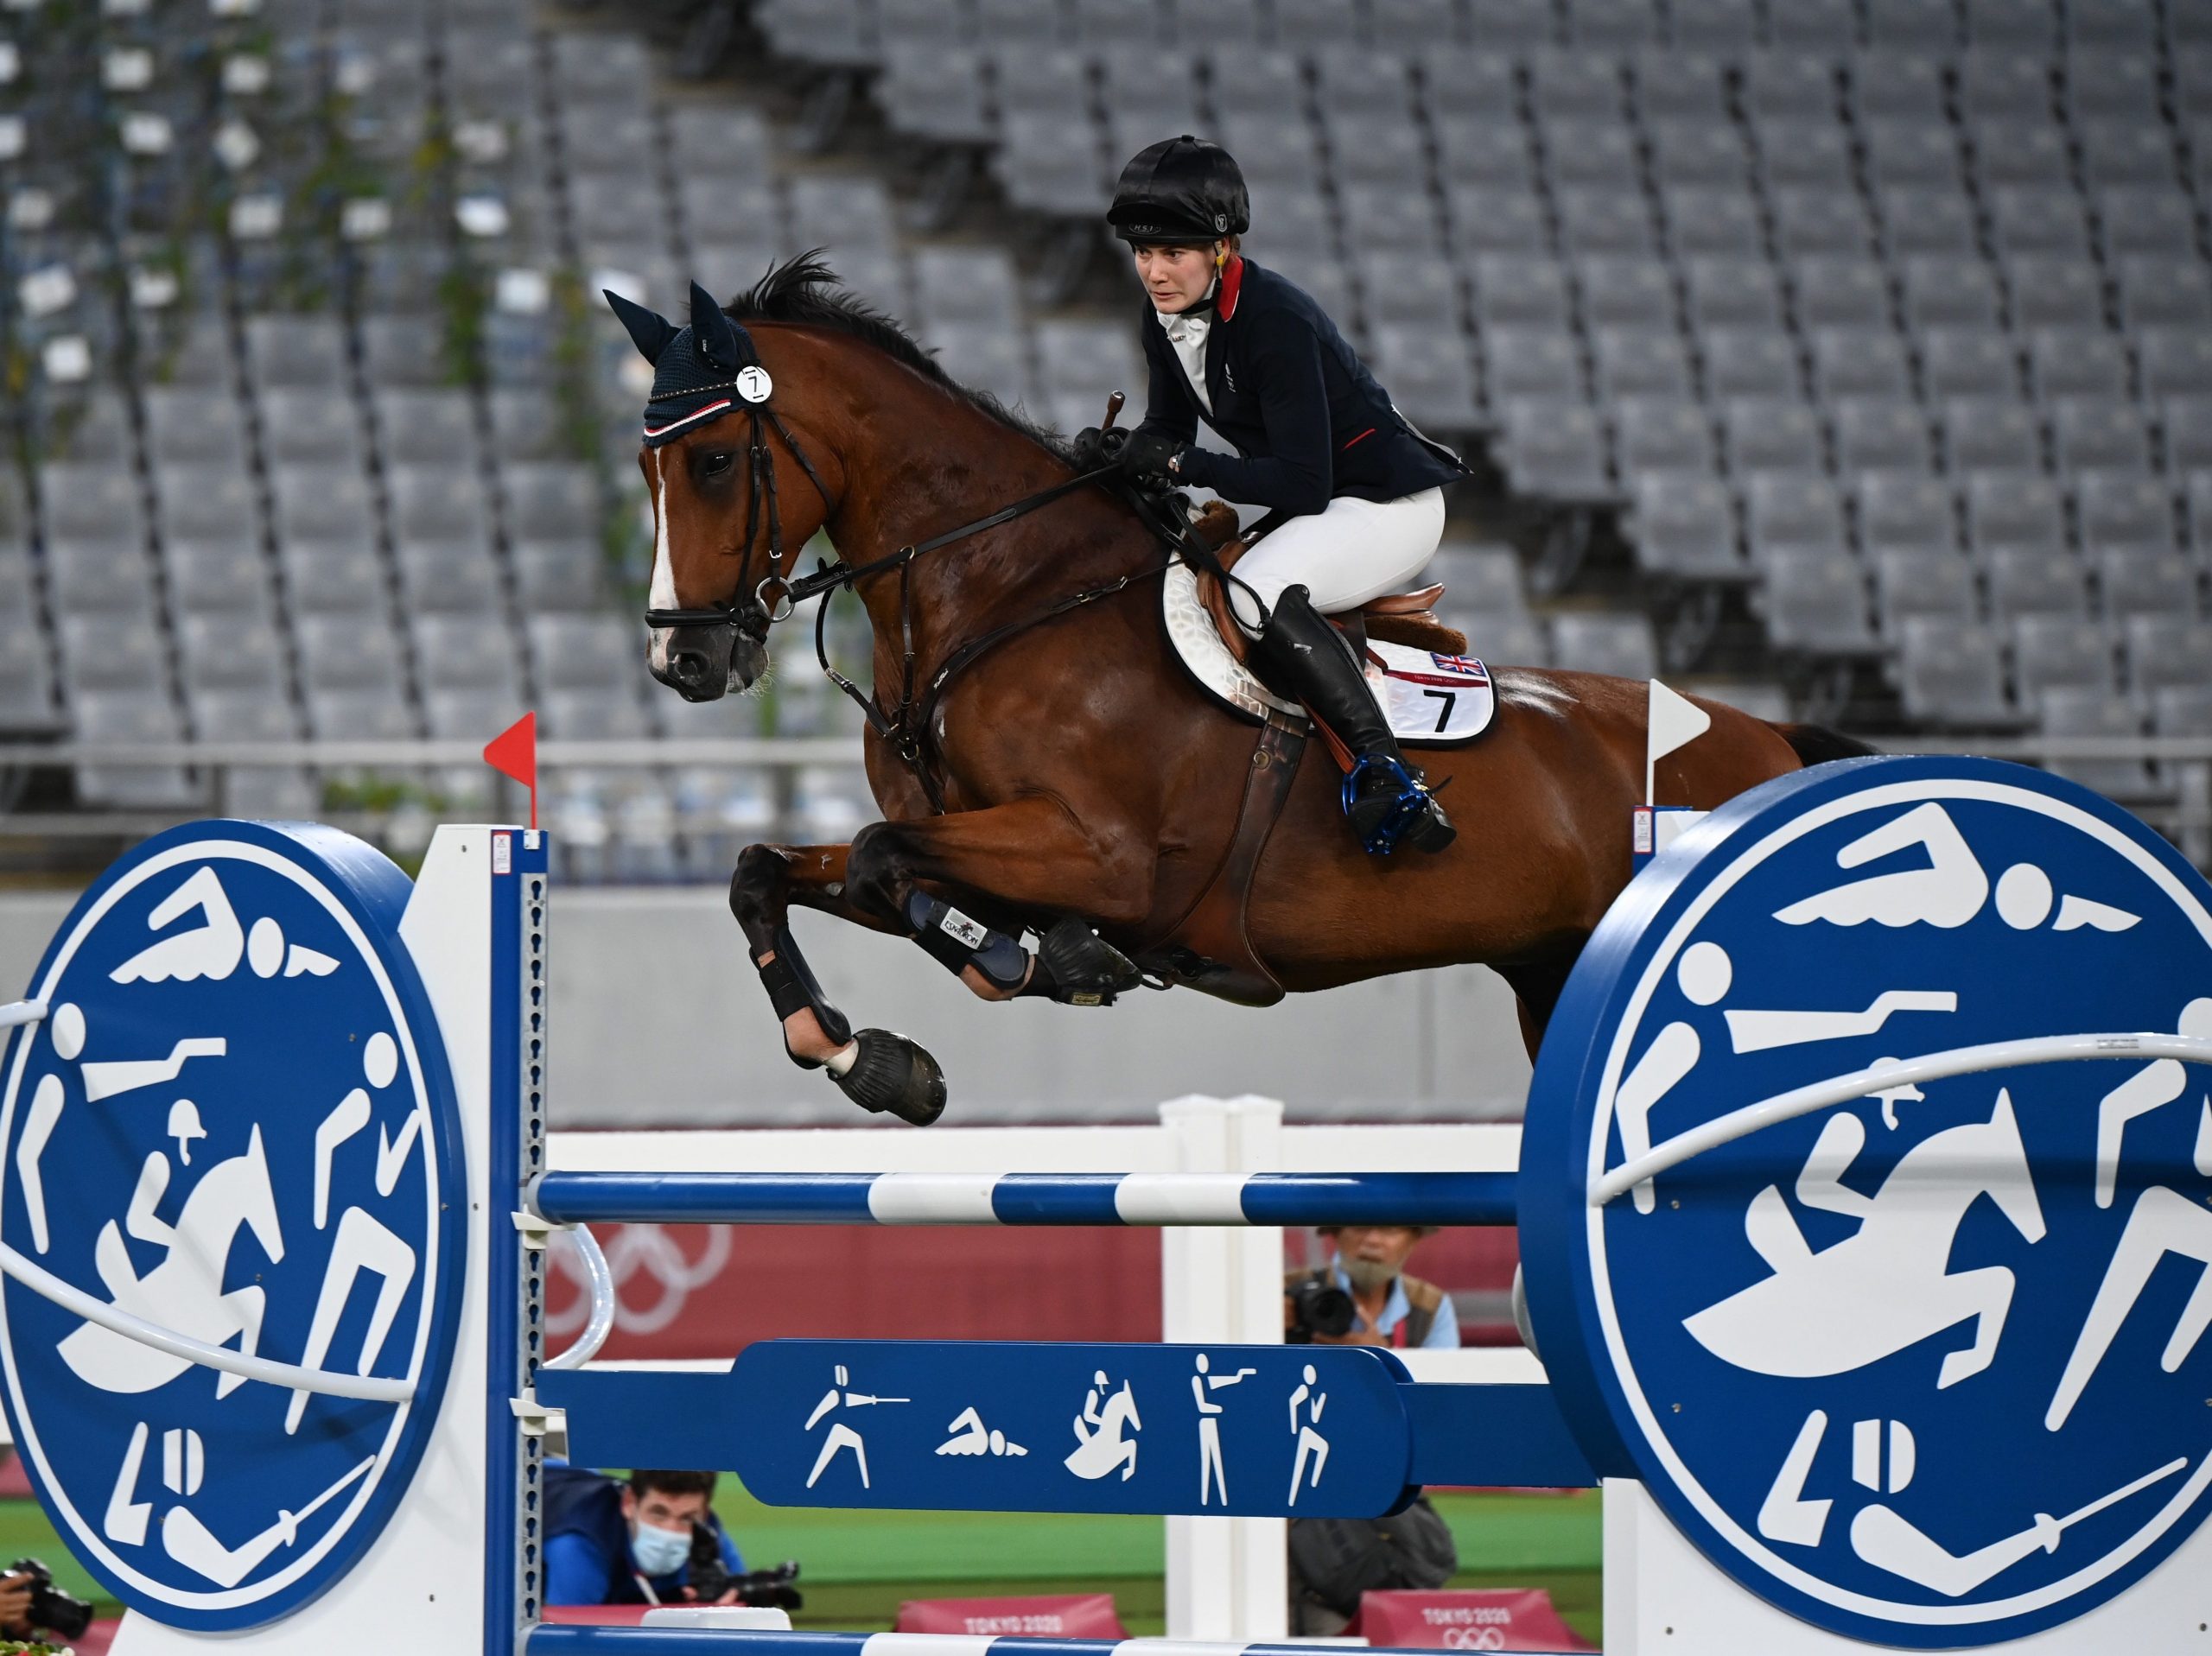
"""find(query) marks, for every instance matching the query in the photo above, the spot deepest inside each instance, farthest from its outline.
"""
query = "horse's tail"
(1817, 744)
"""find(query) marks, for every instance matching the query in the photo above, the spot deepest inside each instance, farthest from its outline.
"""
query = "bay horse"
(1059, 768)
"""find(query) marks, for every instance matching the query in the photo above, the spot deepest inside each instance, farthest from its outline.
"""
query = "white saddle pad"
(1429, 699)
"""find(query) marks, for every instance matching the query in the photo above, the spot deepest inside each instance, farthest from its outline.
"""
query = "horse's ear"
(715, 333)
(650, 330)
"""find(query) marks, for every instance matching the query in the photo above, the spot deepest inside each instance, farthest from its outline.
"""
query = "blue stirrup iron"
(1412, 795)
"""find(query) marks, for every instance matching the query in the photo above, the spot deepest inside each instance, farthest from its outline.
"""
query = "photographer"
(29, 1601)
(1386, 1307)
(652, 1540)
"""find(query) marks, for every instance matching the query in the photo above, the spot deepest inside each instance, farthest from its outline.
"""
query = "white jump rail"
(1863, 1084)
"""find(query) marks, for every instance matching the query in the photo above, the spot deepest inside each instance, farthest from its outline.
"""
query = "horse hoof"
(893, 1076)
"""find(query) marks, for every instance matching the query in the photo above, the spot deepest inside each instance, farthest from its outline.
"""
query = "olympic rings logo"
(1474, 1639)
(632, 1251)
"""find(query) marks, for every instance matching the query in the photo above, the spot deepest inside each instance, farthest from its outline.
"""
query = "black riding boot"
(1384, 797)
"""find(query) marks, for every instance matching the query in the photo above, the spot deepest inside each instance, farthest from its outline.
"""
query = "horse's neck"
(923, 478)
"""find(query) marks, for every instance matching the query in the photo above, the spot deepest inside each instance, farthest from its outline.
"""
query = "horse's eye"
(716, 464)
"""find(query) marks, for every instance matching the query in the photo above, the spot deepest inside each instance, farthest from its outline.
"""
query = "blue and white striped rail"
(570, 1639)
(1296, 1199)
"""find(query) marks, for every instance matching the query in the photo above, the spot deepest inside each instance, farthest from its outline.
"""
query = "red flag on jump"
(513, 752)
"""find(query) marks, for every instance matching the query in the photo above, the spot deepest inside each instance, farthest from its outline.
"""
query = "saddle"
(1406, 619)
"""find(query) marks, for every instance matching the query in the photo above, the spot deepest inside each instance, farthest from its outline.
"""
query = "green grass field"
(859, 1565)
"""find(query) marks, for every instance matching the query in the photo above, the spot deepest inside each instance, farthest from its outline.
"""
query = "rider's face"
(1175, 278)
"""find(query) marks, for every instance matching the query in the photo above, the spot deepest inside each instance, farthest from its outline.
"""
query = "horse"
(1057, 763)
(185, 1290)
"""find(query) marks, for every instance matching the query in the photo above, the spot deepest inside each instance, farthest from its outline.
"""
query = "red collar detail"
(1232, 281)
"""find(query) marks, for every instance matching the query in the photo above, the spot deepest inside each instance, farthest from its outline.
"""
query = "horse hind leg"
(1537, 986)
(1989, 1292)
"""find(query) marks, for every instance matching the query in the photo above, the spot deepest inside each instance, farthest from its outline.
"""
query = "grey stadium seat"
(1945, 291)
(2187, 424)
(1569, 83)
(313, 426)
(559, 574)
(193, 426)
(471, 715)
(1999, 84)
(1750, 362)
(450, 654)
(591, 715)
(1772, 434)
(1898, 512)
(26, 683)
(2054, 290)
(2039, 218)
(2077, 362)
(1649, 360)
(1817, 25)
(2006, 511)
(1880, 433)
(2098, 713)
(123, 714)
(1497, 218)
(2098, 432)
(2026, 151)
(985, 357)
(1598, 219)
(2126, 150)
(1138, 81)
(1424, 294)
(1485, 578)
(1832, 290)
(91, 500)
(399, 350)
(936, 92)
(337, 576)
(1802, 152)
(2175, 360)
(2011, 25)
(2154, 290)
(2124, 509)
(1555, 448)
(1815, 601)
(2035, 580)
(2199, 491)
(437, 502)
(1371, 82)
(1427, 25)
(221, 652)
(2183, 711)
(459, 577)
(2053, 653)
(1924, 219)
(1969, 362)
(587, 653)
(1713, 25)
(1816, 219)
(306, 351)
(216, 577)
(2163, 651)
(1683, 524)
(1689, 84)
(1033, 76)
(1790, 85)
(2146, 219)
(1707, 219)
(206, 502)
(1621, 644)
(418, 427)
(1911, 583)
(1388, 215)
(360, 715)
(106, 652)
(550, 499)
(2143, 580)
(1619, 24)
(1531, 361)
(1511, 289)
(1990, 433)
(1859, 361)
(1617, 289)
(1908, 151)
(1484, 148)
(347, 652)
(1590, 152)
(98, 575)
(1369, 149)
(1901, 79)
(1793, 511)
(1431, 378)
(1951, 674)
(1049, 163)
(1662, 434)
(833, 210)
(1725, 291)
(1689, 150)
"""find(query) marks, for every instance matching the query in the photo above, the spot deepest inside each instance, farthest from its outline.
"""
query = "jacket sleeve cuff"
(1194, 464)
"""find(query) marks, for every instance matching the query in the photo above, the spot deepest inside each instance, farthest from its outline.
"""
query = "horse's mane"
(804, 291)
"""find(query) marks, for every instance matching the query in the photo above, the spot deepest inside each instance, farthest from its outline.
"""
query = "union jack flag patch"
(1463, 664)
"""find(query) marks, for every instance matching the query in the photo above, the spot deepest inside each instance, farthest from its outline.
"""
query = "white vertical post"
(1228, 1578)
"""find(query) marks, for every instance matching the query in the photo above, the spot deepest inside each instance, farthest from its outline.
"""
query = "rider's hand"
(1094, 448)
(1147, 453)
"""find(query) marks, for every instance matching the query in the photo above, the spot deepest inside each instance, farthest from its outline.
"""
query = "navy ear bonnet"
(700, 372)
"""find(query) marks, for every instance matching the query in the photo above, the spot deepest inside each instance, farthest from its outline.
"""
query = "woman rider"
(1356, 493)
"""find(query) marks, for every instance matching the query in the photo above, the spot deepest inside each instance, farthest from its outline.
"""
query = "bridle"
(905, 726)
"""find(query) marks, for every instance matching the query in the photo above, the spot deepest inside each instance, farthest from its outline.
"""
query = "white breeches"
(1352, 552)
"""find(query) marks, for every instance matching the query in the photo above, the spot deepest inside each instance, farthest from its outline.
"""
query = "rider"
(1356, 493)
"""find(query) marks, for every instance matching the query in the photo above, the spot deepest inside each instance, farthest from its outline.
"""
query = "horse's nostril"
(690, 667)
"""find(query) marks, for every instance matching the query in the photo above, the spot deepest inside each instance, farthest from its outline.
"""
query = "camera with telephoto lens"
(1317, 1307)
(51, 1607)
(708, 1578)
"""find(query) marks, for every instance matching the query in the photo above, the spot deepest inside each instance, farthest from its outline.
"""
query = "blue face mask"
(658, 1551)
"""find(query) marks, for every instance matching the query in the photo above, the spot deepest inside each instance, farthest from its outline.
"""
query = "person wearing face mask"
(1390, 1307)
(612, 1542)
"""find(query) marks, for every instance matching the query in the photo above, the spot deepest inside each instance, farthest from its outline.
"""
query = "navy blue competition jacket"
(1307, 420)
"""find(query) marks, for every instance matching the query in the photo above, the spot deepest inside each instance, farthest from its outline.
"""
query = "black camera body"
(1318, 1306)
(708, 1578)
(51, 1607)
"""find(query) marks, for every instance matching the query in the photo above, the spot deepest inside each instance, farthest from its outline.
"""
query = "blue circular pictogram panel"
(1927, 1366)
(236, 1124)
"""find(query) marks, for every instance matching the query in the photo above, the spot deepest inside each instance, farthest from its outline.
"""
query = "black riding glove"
(1146, 454)
(1094, 448)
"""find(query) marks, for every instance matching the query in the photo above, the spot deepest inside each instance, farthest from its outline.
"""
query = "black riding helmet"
(1180, 191)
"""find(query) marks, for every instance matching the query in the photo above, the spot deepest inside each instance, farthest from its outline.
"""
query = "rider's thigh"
(1353, 551)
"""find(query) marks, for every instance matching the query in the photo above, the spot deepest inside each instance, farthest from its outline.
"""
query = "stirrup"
(1412, 807)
